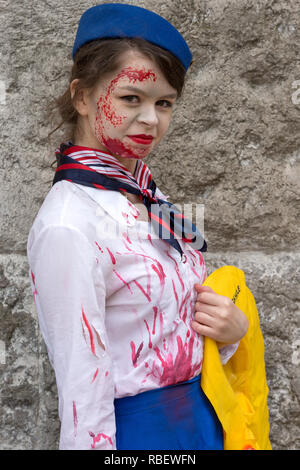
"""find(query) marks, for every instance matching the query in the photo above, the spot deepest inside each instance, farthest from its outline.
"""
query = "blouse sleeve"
(69, 292)
(226, 352)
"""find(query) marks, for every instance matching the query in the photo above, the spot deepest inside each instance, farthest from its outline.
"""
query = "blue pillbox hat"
(116, 20)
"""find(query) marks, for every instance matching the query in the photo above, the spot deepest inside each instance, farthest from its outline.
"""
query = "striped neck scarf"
(94, 168)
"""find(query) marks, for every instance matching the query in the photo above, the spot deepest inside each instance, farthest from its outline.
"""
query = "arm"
(70, 300)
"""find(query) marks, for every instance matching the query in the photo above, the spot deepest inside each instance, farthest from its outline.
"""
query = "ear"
(79, 98)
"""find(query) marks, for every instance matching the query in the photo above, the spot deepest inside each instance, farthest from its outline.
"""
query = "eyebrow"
(138, 90)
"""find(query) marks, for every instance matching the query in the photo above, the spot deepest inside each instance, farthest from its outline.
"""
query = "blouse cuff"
(226, 352)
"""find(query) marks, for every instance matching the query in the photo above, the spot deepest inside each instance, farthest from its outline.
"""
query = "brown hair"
(100, 57)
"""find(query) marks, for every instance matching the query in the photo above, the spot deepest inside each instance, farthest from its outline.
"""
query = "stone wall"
(234, 146)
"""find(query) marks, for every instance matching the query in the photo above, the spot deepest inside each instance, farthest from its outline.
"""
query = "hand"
(217, 317)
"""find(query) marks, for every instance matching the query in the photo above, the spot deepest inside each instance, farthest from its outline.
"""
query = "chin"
(116, 147)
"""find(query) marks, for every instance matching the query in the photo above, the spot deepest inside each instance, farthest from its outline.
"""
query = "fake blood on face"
(105, 109)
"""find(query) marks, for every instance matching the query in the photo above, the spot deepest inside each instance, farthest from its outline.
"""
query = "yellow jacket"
(238, 390)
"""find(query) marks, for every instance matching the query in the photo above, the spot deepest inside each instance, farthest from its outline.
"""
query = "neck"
(129, 163)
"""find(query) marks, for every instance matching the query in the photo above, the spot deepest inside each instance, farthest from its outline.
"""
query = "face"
(129, 112)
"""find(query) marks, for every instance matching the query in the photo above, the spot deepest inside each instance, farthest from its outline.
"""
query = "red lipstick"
(142, 139)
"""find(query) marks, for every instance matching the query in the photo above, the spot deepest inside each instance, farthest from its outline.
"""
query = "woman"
(116, 270)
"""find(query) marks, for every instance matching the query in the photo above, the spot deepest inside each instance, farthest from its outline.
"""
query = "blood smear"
(90, 332)
(172, 370)
(135, 355)
(95, 375)
(75, 419)
(98, 438)
(113, 259)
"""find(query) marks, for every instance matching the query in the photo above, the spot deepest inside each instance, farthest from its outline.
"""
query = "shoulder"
(82, 208)
(67, 207)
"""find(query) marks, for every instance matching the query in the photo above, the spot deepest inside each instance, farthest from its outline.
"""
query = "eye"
(130, 98)
(165, 103)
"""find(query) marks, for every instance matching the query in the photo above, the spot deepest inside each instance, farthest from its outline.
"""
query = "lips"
(142, 139)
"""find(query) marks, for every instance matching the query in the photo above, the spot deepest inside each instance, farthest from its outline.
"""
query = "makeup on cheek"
(132, 75)
(105, 111)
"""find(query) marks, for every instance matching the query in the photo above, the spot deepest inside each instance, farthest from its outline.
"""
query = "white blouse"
(115, 305)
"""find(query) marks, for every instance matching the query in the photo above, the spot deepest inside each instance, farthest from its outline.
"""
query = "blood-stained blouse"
(115, 306)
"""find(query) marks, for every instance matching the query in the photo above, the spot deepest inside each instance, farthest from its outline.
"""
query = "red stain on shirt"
(154, 320)
(150, 238)
(183, 304)
(200, 259)
(172, 370)
(155, 310)
(99, 247)
(161, 322)
(147, 326)
(113, 259)
(176, 296)
(35, 291)
(135, 354)
(126, 246)
(98, 438)
(143, 290)
(124, 282)
(191, 257)
(125, 215)
(125, 235)
(160, 272)
(199, 277)
(177, 270)
(148, 277)
(95, 374)
(75, 419)
(157, 268)
(133, 210)
(90, 331)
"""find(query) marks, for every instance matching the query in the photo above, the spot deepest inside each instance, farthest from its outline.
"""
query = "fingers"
(204, 330)
(205, 308)
(205, 319)
(208, 325)
(200, 288)
(209, 298)
(205, 325)
(217, 317)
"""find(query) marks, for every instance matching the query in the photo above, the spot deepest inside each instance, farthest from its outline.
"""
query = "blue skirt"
(176, 417)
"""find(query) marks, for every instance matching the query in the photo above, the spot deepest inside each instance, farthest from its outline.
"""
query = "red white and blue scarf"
(94, 168)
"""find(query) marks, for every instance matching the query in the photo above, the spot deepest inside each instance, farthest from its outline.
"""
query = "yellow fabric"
(238, 390)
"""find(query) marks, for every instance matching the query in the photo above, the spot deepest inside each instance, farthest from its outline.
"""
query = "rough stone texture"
(234, 146)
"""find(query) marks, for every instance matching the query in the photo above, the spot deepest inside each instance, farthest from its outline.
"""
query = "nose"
(148, 116)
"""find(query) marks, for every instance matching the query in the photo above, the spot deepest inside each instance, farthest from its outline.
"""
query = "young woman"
(116, 269)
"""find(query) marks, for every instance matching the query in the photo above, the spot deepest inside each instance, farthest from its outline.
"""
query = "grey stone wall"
(234, 146)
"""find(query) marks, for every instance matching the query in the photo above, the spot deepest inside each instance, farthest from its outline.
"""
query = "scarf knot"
(94, 168)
